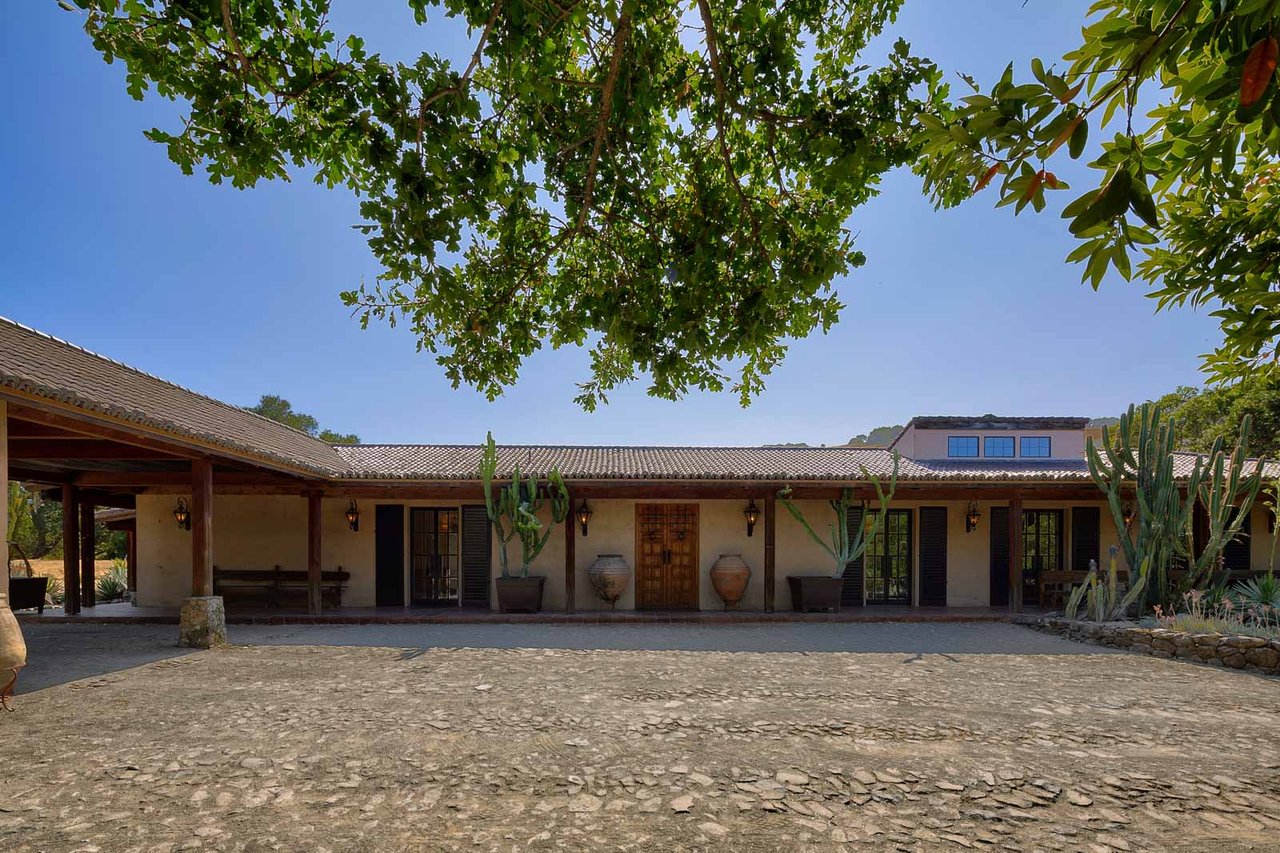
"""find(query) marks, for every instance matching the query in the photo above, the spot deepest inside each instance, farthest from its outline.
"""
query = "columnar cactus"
(1136, 462)
(844, 545)
(513, 508)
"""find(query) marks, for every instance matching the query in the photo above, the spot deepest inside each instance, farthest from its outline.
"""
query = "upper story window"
(962, 446)
(1036, 447)
(998, 446)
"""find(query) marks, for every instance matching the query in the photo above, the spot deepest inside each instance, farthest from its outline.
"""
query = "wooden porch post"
(131, 557)
(570, 561)
(202, 527)
(1015, 554)
(313, 553)
(70, 550)
(88, 551)
(770, 538)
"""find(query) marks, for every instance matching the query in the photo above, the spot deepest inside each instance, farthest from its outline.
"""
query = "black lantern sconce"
(1126, 513)
(752, 514)
(353, 516)
(182, 515)
(584, 516)
(972, 517)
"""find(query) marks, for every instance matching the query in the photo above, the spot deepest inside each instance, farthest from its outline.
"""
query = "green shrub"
(114, 585)
(53, 591)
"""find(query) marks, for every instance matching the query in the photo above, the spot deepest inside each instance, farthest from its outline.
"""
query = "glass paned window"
(998, 446)
(1036, 447)
(962, 446)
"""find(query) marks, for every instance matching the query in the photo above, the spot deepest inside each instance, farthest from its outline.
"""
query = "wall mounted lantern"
(182, 515)
(752, 514)
(971, 517)
(1126, 513)
(353, 516)
(584, 516)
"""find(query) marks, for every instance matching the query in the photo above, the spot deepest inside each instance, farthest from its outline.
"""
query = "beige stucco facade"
(4, 489)
(259, 532)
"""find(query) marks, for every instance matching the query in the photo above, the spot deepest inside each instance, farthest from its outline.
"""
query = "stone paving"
(437, 747)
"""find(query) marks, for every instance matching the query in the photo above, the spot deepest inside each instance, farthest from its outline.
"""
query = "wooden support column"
(70, 550)
(314, 520)
(570, 561)
(88, 551)
(201, 527)
(1015, 554)
(770, 538)
(131, 558)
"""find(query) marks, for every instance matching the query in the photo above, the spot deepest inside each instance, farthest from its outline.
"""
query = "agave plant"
(1103, 600)
(114, 585)
(1261, 591)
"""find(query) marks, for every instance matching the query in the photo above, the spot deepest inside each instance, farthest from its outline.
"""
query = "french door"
(1041, 549)
(434, 562)
(888, 560)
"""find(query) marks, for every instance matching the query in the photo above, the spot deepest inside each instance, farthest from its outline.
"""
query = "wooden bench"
(272, 587)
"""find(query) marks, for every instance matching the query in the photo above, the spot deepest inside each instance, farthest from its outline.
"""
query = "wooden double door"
(666, 556)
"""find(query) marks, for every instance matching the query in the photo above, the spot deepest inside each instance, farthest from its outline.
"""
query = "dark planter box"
(520, 595)
(815, 592)
(25, 593)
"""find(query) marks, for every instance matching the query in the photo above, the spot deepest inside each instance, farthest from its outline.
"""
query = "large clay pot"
(13, 651)
(729, 576)
(609, 576)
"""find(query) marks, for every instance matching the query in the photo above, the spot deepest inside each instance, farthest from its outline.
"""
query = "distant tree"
(881, 436)
(281, 410)
(1206, 414)
(34, 523)
(789, 444)
(1103, 422)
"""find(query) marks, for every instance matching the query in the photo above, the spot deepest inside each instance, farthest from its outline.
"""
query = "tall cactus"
(845, 546)
(1136, 462)
(513, 508)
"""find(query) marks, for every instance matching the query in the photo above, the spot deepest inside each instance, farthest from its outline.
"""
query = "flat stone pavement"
(923, 738)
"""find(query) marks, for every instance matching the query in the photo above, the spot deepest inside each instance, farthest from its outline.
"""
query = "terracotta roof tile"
(460, 462)
(44, 366)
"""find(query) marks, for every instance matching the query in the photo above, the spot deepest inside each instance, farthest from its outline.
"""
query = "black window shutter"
(477, 556)
(851, 592)
(1085, 537)
(933, 556)
(999, 556)
(388, 559)
(1236, 554)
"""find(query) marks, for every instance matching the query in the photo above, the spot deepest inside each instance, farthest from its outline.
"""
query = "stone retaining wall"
(1234, 651)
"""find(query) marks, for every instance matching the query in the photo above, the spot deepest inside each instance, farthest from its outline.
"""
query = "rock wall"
(1234, 651)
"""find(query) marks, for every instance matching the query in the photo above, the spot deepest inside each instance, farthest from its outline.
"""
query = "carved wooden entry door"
(666, 556)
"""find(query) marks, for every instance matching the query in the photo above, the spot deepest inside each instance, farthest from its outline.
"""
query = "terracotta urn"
(729, 576)
(13, 651)
(609, 576)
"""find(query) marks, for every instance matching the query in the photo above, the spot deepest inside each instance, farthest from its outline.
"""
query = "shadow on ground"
(62, 653)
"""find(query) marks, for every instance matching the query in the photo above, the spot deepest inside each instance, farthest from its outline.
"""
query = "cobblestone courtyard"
(289, 745)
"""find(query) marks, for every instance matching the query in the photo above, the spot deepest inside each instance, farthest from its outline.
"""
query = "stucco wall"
(260, 532)
(932, 443)
(4, 489)
(250, 532)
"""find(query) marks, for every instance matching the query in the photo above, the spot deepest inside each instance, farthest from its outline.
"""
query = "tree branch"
(620, 36)
(722, 98)
(232, 40)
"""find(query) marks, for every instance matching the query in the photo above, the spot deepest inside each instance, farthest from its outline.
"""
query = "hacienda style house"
(988, 511)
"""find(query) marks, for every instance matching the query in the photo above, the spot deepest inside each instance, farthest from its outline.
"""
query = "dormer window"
(1037, 447)
(962, 447)
(998, 447)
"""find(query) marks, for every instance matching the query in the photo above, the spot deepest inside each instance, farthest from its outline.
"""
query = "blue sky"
(234, 293)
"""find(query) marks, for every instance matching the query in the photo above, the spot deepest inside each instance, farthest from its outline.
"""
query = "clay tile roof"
(996, 422)
(460, 462)
(44, 366)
